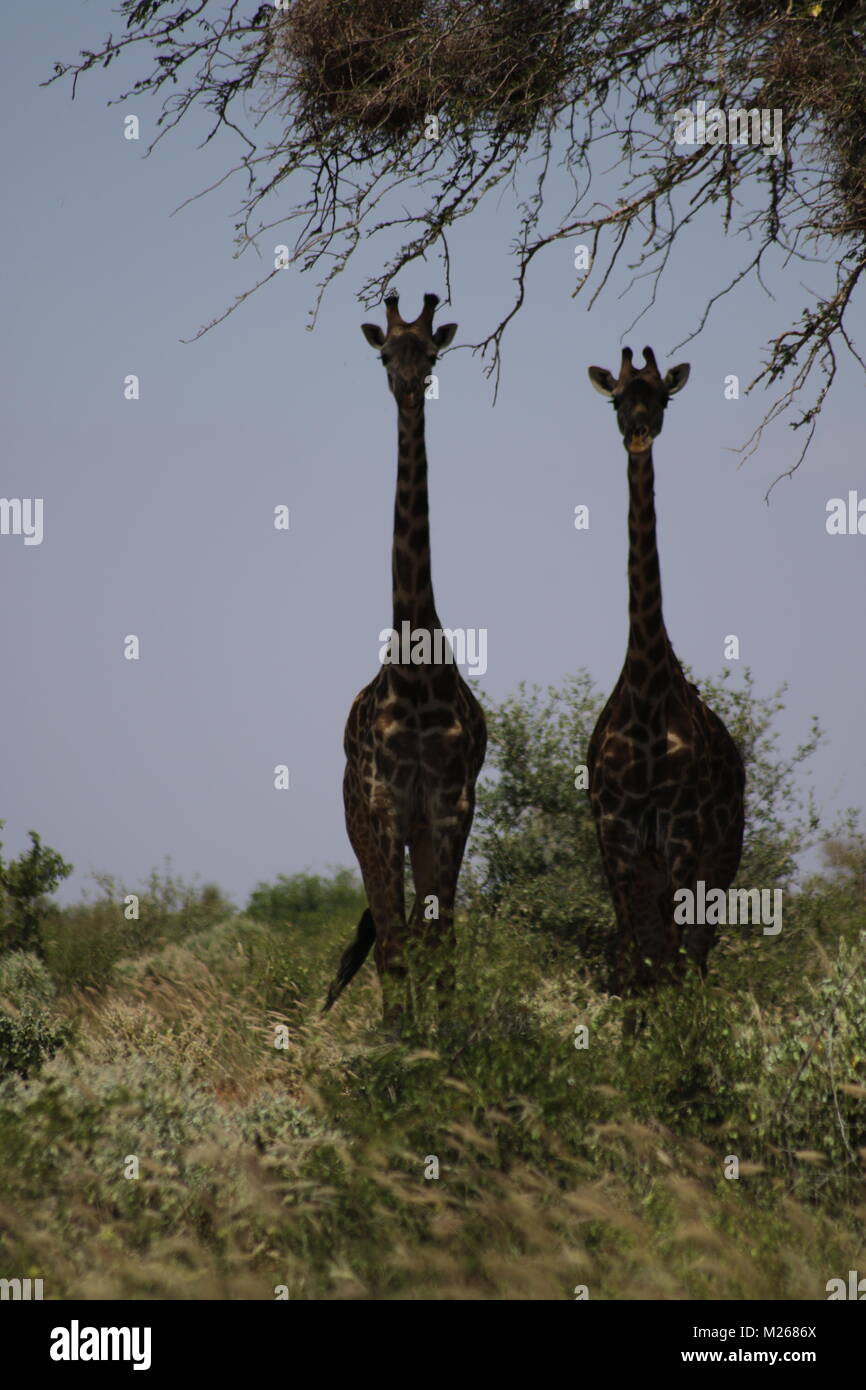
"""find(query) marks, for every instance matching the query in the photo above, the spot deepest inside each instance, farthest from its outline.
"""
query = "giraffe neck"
(410, 561)
(648, 645)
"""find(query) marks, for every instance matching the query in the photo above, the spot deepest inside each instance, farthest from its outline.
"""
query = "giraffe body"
(666, 781)
(415, 737)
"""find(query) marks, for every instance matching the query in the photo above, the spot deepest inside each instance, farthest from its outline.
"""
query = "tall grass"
(207, 1133)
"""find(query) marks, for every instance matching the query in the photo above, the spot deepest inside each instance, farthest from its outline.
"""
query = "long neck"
(645, 621)
(410, 562)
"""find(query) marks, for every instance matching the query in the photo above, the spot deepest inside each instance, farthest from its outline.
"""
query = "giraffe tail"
(352, 958)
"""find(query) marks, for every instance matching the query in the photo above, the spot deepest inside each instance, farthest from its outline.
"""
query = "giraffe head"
(409, 350)
(639, 397)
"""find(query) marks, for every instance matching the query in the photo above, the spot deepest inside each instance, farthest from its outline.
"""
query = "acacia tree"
(442, 102)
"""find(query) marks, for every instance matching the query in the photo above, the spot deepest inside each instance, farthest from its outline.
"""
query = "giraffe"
(666, 781)
(415, 737)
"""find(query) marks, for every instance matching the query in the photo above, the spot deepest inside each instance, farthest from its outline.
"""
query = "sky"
(158, 512)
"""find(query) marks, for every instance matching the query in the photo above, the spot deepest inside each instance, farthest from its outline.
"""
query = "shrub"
(534, 853)
(25, 979)
(307, 899)
(24, 883)
(27, 1039)
(84, 942)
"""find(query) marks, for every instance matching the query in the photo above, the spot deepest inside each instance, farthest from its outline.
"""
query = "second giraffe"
(666, 780)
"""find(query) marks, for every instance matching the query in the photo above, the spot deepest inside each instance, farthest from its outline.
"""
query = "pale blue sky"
(158, 513)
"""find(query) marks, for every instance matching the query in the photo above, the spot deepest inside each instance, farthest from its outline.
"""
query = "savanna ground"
(280, 1150)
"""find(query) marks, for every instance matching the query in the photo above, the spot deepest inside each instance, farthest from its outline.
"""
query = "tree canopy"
(444, 102)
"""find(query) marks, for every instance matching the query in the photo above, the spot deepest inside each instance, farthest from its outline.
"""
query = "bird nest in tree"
(384, 66)
(826, 79)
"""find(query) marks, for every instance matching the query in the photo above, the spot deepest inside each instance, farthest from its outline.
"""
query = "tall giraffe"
(415, 738)
(666, 782)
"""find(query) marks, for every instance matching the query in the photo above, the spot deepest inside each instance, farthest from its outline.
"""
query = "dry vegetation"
(305, 1167)
(384, 65)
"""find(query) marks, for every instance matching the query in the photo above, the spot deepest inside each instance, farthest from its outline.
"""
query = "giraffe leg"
(375, 825)
(380, 854)
(426, 913)
(436, 859)
(696, 938)
(653, 932)
(451, 845)
(626, 966)
(624, 958)
(387, 904)
(444, 950)
(646, 951)
(718, 869)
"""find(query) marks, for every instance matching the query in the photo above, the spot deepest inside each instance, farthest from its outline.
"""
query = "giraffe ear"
(374, 335)
(602, 380)
(677, 378)
(444, 335)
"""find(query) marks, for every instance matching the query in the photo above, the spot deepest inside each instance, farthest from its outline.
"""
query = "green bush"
(815, 1093)
(534, 854)
(25, 980)
(698, 1063)
(27, 1039)
(24, 884)
(84, 942)
(307, 899)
